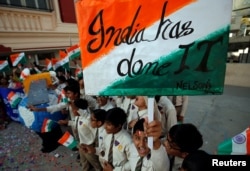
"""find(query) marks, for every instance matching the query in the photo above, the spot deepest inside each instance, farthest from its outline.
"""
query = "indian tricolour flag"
(74, 52)
(68, 140)
(64, 59)
(4, 65)
(13, 99)
(62, 97)
(78, 72)
(238, 145)
(49, 65)
(48, 125)
(55, 63)
(167, 47)
(18, 58)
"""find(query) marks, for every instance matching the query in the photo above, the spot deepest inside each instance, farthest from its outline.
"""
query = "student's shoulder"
(125, 136)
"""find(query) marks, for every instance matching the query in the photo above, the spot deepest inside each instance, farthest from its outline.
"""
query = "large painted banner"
(145, 47)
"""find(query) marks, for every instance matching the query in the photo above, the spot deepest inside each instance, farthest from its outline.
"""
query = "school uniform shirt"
(107, 106)
(83, 113)
(92, 104)
(101, 135)
(140, 114)
(157, 160)
(85, 131)
(181, 101)
(121, 147)
(168, 117)
(61, 86)
(57, 107)
(177, 164)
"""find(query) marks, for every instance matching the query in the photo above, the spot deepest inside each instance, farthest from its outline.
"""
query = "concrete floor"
(220, 117)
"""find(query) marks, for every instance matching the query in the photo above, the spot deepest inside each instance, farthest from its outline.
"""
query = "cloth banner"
(164, 47)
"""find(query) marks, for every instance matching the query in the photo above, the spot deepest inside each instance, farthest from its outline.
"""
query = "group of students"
(112, 132)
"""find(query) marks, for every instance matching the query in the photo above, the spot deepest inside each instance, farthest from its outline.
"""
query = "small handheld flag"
(4, 66)
(48, 125)
(68, 140)
(74, 52)
(18, 58)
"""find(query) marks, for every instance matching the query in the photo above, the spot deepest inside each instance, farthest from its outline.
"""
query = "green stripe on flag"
(225, 148)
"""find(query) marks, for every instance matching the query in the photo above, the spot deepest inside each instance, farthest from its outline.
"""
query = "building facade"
(39, 28)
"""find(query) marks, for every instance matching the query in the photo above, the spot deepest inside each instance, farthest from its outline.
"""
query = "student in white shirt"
(119, 147)
(127, 104)
(168, 113)
(181, 104)
(97, 119)
(104, 103)
(141, 157)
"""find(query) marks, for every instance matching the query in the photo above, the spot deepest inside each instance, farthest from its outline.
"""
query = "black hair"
(157, 98)
(73, 82)
(139, 125)
(73, 88)
(81, 103)
(196, 161)
(116, 116)
(61, 78)
(186, 136)
(99, 114)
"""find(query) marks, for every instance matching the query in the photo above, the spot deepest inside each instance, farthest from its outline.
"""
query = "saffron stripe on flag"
(68, 140)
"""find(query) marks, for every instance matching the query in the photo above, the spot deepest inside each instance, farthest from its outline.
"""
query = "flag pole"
(150, 118)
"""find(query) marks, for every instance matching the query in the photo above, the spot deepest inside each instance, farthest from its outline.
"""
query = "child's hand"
(88, 148)
(107, 166)
(83, 147)
(152, 129)
(62, 122)
(75, 112)
(32, 108)
(132, 123)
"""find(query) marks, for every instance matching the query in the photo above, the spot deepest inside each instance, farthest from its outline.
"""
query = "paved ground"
(218, 117)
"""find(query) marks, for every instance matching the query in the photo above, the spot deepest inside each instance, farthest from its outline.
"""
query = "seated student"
(141, 156)
(196, 161)
(181, 140)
